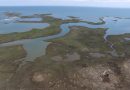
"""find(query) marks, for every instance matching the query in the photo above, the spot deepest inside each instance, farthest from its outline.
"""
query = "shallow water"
(30, 19)
(112, 16)
(117, 25)
(20, 27)
(37, 47)
(12, 24)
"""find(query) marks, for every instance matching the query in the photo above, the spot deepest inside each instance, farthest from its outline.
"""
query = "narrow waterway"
(37, 47)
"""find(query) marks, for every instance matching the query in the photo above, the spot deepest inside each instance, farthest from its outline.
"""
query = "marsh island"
(64, 54)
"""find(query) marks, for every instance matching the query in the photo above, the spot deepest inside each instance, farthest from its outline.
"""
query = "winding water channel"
(37, 47)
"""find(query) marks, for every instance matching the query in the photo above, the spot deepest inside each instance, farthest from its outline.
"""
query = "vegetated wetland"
(61, 48)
